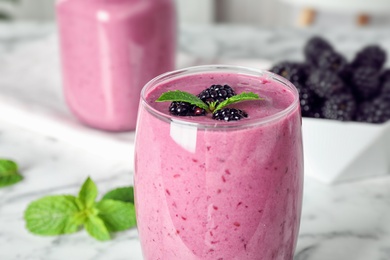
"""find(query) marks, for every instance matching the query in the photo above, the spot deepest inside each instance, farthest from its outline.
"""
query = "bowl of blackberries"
(332, 87)
(354, 95)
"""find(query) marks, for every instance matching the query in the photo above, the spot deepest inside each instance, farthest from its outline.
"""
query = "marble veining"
(348, 221)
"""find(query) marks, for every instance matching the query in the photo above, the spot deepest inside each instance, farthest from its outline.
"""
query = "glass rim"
(242, 70)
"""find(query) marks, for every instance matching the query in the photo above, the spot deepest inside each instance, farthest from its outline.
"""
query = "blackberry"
(314, 113)
(185, 109)
(325, 83)
(375, 111)
(314, 47)
(216, 93)
(385, 76)
(292, 71)
(330, 60)
(309, 101)
(346, 74)
(340, 107)
(229, 114)
(366, 83)
(385, 82)
(386, 89)
(371, 56)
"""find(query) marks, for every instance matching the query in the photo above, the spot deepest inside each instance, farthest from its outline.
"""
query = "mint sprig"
(9, 173)
(96, 228)
(88, 193)
(244, 96)
(182, 96)
(116, 214)
(66, 214)
(125, 194)
(54, 215)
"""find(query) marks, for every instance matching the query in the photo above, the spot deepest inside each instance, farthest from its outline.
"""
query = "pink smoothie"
(110, 49)
(222, 190)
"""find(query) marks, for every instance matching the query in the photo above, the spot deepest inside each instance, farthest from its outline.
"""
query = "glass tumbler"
(209, 189)
(109, 50)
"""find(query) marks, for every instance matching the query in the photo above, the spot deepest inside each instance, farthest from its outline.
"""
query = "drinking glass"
(109, 50)
(207, 189)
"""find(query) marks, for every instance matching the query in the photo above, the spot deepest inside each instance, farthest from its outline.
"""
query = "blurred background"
(252, 12)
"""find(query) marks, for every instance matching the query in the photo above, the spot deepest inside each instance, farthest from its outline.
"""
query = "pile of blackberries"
(331, 87)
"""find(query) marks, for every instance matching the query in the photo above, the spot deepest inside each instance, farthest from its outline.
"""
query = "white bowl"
(337, 151)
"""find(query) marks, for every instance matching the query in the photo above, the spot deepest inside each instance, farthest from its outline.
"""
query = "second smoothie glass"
(109, 50)
(218, 190)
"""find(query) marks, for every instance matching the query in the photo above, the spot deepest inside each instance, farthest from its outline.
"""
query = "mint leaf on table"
(117, 215)
(10, 180)
(88, 193)
(8, 167)
(244, 96)
(182, 96)
(97, 228)
(125, 194)
(65, 214)
(53, 215)
(9, 173)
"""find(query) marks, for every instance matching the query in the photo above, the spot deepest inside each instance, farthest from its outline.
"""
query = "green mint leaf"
(125, 194)
(57, 215)
(9, 174)
(212, 105)
(117, 215)
(85, 213)
(238, 98)
(10, 180)
(88, 193)
(96, 228)
(53, 215)
(182, 96)
(8, 167)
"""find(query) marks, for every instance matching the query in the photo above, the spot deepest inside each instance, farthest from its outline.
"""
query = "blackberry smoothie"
(110, 49)
(209, 189)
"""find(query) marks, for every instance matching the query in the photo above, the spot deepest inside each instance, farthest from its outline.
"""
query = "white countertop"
(339, 222)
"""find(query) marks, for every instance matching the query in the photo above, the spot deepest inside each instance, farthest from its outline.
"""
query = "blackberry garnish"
(292, 71)
(366, 83)
(185, 109)
(330, 60)
(186, 104)
(216, 93)
(325, 83)
(314, 47)
(341, 107)
(229, 114)
(375, 111)
(371, 56)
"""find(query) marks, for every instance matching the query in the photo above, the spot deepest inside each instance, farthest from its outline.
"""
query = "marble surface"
(339, 222)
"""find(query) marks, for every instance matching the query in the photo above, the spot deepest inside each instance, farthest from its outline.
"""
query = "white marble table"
(340, 222)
